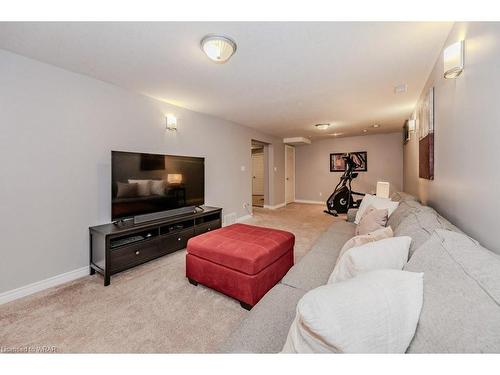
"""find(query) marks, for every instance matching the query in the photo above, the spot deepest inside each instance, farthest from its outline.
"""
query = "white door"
(289, 174)
(258, 174)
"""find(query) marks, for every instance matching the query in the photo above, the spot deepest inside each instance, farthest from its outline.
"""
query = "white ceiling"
(284, 78)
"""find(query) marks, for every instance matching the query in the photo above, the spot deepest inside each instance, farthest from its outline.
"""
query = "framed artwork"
(426, 115)
(337, 163)
(426, 137)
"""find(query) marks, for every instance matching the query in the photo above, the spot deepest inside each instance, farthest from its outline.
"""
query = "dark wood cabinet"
(115, 248)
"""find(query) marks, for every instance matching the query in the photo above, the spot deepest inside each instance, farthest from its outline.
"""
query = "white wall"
(467, 132)
(57, 131)
(313, 176)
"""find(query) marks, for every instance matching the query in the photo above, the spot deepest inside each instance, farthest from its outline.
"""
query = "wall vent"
(229, 219)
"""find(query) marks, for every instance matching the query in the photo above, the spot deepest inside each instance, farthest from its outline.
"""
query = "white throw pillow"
(376, 312)
(377, 202)
(143, 187)
(363, 239)
(157, 187)
(389, 253)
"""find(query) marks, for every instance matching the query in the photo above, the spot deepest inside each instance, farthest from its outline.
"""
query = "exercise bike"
(342, 198)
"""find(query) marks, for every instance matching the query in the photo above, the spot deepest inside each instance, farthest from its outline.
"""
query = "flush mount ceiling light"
(365, 130)
(376, 126)
(218, 48)
(322, 126)
(453, 59)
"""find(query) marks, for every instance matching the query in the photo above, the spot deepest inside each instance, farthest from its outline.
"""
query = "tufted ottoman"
(241, 261)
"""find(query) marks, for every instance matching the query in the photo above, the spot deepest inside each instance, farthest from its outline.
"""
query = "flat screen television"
(149, 183)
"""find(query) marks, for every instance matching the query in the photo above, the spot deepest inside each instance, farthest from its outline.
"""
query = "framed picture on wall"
(426, 115)
(337, 163)
(426, 137)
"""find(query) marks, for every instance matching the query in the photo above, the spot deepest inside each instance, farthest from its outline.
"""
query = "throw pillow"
(355, 241)
(376, 312)
(143, 188)
(126, 190)
(157, 187)
(376, 202)
(389, 253)
(372, 220)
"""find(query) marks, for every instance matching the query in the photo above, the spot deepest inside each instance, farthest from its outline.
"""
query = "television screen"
(147, 183)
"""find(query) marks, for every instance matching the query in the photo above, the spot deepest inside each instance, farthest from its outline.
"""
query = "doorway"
(289, 174)
(258, 173)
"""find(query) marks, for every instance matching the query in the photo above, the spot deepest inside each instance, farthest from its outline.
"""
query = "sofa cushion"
(312, 271)
(315, 267)
(400, 196)
(420, 224)
(461, 308)
(403, 210)
(265, 328)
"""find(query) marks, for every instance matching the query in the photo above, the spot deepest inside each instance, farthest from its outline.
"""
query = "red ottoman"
(241, 261)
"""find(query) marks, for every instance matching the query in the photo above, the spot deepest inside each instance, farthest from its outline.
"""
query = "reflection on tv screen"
(147, 183)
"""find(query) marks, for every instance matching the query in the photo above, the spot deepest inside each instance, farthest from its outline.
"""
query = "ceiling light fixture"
(336, 134)
(218, 48)
(365, 130)
(322, 126)
(376, 126)
(453, 60)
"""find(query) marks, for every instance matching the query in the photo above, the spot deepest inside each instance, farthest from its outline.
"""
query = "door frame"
(294, 175)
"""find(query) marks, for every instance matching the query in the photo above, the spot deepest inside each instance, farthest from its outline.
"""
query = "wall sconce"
(453, 58)
(171, 123)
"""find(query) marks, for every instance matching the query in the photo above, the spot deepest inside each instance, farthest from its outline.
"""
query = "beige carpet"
(149, 309)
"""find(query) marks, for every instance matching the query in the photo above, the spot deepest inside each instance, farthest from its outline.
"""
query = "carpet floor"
(149, 309)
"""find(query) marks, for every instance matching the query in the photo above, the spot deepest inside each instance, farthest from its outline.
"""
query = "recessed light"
(401, 89)
(322, 126)
(376, 126)
(365, 130)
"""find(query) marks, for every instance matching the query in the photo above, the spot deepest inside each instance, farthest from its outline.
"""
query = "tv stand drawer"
(207, 227)
(127, 256)
(174, 242)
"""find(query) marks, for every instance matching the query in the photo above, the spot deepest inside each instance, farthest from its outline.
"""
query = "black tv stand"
(118, 246)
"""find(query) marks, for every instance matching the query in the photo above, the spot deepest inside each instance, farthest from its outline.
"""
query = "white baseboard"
(38, 286)
(308, 201)
(243, 218)
(275, 206)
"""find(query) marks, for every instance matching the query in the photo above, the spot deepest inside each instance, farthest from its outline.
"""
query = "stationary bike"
(342, 198)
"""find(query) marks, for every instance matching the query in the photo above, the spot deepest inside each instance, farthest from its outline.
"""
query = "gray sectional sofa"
(461, 308)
